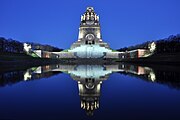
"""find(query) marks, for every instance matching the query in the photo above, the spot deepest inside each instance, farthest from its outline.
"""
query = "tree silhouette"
(166, 45)
(14, 46)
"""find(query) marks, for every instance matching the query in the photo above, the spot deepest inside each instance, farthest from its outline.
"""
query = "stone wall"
(66, 55)
(112, 55)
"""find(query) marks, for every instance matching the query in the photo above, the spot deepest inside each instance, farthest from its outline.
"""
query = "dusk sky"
(56, 22)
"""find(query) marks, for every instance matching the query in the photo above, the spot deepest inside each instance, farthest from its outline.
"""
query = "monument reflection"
(90, 77)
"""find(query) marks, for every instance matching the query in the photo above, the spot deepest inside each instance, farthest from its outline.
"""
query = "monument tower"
(89, 43)
(89, 30)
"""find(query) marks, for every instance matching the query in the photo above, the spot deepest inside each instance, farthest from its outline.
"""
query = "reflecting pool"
(91, 91)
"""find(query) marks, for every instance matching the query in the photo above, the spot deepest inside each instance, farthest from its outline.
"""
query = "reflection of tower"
(89, 91)
(89, 79)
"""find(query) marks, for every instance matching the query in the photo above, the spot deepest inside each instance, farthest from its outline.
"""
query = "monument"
(89, 30)
(89, 43)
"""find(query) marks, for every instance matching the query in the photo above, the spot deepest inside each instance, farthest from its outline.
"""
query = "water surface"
(85, 91)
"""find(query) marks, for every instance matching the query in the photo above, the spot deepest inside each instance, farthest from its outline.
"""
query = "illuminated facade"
(89, 43)
(89, 30)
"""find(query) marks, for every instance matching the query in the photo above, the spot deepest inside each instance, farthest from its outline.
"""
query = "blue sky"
(56, 22)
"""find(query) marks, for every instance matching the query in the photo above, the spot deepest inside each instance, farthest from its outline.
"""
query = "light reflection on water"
(90, 79)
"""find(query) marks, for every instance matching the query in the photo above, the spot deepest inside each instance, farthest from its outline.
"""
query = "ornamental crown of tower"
(89, 17)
